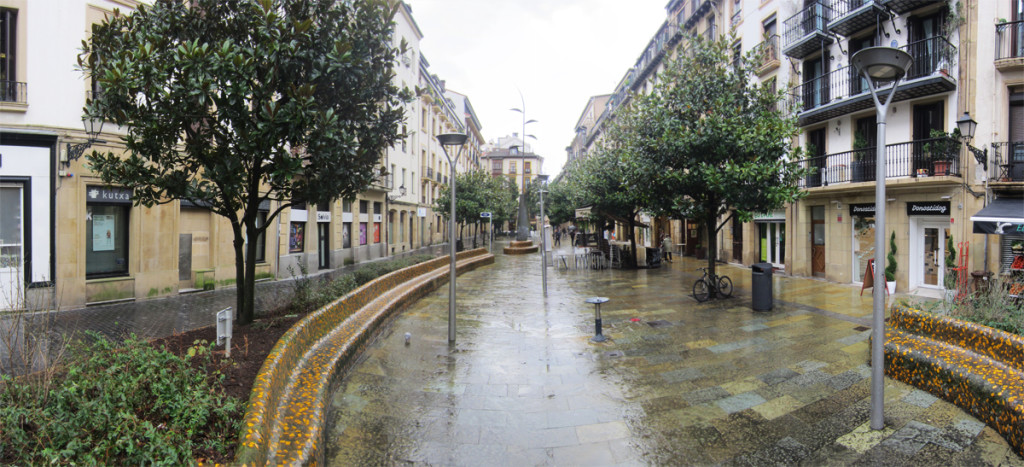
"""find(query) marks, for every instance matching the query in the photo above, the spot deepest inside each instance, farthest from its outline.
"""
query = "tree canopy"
(231, 103)
(710, 141)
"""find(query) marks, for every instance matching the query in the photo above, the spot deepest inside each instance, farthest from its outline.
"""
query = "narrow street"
(678, 383)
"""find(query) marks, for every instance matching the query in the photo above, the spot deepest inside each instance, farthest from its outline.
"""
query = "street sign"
(485, 215)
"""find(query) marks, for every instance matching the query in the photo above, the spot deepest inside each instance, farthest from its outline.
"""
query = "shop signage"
(421, 212)
(778, 215)
(323, 216)
(112, 195)
(928, 208)
(862, 210)
(485, 215)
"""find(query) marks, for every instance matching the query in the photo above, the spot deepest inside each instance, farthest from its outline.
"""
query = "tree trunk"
(242, 315)
(712, 251)
(632, 240)
(249, 291)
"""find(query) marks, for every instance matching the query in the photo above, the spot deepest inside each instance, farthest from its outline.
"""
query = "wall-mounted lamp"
(93, 127)
(967, 127)
(401, 193)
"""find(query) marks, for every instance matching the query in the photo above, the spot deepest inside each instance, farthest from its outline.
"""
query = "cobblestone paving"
(678, 383)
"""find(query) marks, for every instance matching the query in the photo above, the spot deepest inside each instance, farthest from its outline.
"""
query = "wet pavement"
(678, 383)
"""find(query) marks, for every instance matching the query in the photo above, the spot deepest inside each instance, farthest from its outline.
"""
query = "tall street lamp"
(882, 64)
(523, 221)
(446, 140)
(543, 235)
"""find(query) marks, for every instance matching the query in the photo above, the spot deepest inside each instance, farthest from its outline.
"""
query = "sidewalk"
(679, 382)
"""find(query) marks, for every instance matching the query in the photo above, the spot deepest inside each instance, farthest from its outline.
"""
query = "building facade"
(67, 239)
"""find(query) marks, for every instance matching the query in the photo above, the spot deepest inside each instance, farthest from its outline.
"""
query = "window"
(496, 166)
(405, 134)
(106, 239)
(737, 53)
(8, 55)
(512, 167)
(297, 237)
(261, 238)
(526, 167)
(376, 224)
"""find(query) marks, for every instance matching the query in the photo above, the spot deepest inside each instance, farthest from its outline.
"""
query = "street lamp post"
(543, 235)
(523, 220)
(446, 140)
(882, 64)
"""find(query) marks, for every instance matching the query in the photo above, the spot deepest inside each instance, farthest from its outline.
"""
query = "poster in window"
(296, 237)
(362, 233)
(103, 234)
(376, 232)
(346, 235)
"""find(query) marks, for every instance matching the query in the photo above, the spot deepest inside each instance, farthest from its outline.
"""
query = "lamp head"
(967, 125)
(93, 125)
(882, 63)
(452, 139)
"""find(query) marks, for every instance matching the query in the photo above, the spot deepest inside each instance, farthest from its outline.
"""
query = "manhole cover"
(861, 328)
(659, 323)
(613, 354)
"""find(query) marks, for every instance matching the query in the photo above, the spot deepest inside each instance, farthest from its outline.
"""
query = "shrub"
(118, 404)
(313, 293)
(890, 267)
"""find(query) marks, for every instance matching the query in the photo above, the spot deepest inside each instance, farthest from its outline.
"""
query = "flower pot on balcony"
(940, 168)
(861, 171)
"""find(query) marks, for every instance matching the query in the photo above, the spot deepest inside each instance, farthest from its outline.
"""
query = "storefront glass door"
(928, 254)
(773, 242)
(12, 246)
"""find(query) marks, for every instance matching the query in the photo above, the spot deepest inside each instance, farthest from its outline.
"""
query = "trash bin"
(761, 282)
(653, 258)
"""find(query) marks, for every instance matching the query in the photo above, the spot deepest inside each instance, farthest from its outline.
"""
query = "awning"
(583, 213)
(1001, 216)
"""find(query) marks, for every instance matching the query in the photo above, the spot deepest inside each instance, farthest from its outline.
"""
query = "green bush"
(117, 404)
(890, 267)
(313, 293)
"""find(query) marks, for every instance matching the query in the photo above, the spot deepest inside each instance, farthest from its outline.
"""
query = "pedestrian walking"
(666, 247)
(558, 237)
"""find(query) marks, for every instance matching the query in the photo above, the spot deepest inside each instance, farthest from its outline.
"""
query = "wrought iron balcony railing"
(808, 21)
(918, 158)
(13, 91)
(1010, 40)
(1008, 162)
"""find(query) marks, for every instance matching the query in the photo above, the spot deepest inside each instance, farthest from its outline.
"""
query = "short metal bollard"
(597, 301)
(224, 319)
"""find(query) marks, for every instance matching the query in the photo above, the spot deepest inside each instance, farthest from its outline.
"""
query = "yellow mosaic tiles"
(284, 419)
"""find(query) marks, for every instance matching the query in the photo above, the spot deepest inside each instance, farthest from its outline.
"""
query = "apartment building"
(587, 127)
(67, 239)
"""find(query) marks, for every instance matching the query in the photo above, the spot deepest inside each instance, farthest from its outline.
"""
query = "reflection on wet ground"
(678, 383)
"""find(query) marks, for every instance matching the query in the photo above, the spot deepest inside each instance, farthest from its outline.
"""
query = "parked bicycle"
(710, 282)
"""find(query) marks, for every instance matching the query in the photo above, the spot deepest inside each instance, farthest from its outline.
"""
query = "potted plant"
(858, 165)
(1017, 247)
(890, 266)
(942, 149)
(950, 274)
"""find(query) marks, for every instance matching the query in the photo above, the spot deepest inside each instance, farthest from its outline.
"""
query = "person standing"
(666, 247)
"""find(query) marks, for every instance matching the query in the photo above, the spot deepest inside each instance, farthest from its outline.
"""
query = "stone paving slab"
(719, 384)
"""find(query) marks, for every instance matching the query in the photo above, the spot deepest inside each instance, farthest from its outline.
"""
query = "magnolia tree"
(230, 104)
(710, 141)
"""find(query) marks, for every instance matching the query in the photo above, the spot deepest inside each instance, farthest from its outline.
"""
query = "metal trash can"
(761, 283)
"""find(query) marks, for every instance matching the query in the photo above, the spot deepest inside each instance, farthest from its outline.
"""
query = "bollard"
(224, 320)
(597, 301)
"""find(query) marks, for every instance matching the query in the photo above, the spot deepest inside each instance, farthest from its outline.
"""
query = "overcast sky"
(557, 52)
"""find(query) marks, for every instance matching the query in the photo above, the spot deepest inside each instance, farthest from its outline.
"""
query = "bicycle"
(709, 282)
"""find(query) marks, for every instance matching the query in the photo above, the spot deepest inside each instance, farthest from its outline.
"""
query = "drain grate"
(659, 323)
(614, 354)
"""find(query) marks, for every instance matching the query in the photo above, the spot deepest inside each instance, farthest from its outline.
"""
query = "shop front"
(862, 221)
(1005, 217)
(930, 229)
(771, 228)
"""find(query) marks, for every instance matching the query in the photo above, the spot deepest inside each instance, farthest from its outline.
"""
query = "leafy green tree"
(231, 103)
(503, 200)
(558, 202)
(471, 198)
(710, 141)
(601, 180)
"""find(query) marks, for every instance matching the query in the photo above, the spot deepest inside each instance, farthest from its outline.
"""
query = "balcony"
(902, 6)
(695, 10)
(1010, 46)
(902, 160)
(1008, 164)
(850, 16)
(384, 182)
(843, 91)
(14, 91)
(428, 173)
(805, 31)
(438, 176)
(769, 50)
